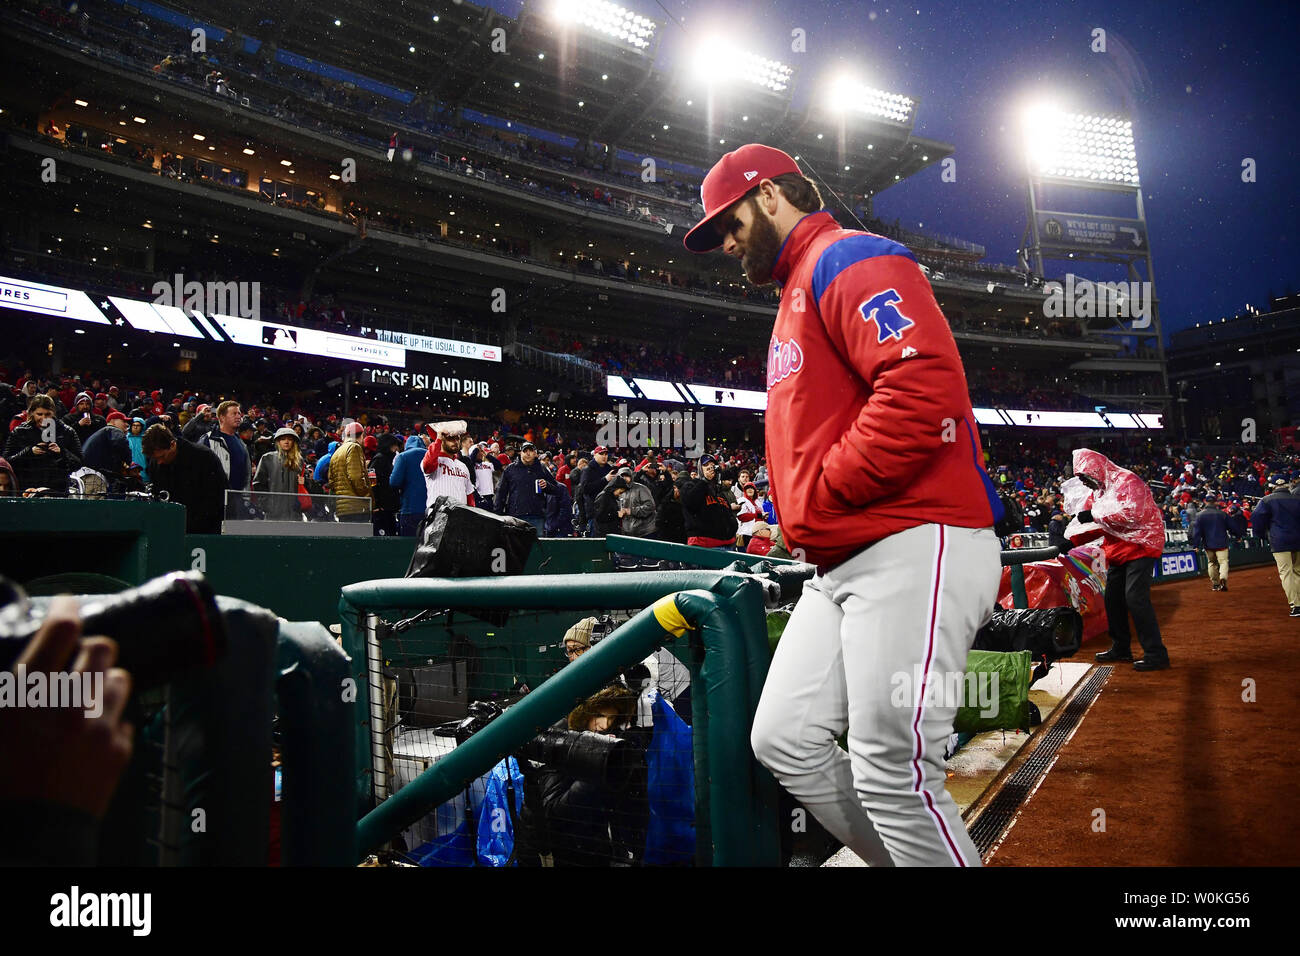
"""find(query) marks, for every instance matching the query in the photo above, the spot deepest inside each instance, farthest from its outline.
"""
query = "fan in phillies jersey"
(445, 472)
(876, 471)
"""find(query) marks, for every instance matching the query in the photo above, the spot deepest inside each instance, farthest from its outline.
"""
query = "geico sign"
(1182, 563)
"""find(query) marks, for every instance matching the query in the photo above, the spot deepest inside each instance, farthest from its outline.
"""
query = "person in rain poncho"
(1114, 505)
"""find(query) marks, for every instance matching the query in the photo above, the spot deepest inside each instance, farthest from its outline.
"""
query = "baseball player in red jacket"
(876, 472)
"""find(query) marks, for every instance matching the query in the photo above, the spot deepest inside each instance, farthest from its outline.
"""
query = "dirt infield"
(1188, 774)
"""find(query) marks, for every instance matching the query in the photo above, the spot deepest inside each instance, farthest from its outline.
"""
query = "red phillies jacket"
(869, 422)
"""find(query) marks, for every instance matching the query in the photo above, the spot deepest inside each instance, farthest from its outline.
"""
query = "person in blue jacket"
(1278, 516)
(1236, 522)
(559, 513)
(322, 472)
(408, 479)
(525, 486)
(1210, 532)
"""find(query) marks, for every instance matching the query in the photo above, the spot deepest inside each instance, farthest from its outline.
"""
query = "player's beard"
(762, 249)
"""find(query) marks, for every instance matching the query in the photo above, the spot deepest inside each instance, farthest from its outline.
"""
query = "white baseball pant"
(905, 608)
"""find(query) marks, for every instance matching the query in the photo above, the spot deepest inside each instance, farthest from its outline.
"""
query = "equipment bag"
(1048, 633)
(995, 693)
(457, 541)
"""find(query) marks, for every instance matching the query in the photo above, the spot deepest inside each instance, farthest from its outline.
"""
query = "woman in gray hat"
(279, 472)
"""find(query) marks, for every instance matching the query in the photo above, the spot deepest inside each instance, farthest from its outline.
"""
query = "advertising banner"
(1077, 232)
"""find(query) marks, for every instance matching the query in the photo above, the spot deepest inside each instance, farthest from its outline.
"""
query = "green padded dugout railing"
(736, 798)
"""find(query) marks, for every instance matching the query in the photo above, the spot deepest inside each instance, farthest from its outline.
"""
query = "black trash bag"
(457, 541)
(1049, 633)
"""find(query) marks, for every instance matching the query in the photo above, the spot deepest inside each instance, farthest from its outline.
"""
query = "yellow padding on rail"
(669, 618)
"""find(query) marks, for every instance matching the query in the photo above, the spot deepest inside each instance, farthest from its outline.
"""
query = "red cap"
(201, 409)
(115, 415)
(100, 395)
(600, 449)
(730, 178)
(371, 443)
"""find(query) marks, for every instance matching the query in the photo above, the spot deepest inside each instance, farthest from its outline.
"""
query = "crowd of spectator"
(718, 365)
(1184, 481)
(432, 132)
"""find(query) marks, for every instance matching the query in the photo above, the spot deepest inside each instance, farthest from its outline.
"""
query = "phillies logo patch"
(783, 360)
(882, 309)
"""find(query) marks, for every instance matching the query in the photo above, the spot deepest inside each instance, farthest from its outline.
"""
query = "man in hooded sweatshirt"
(1122, 513)
(407, 480)
(322, 472)
(83, 419)
(706, 505)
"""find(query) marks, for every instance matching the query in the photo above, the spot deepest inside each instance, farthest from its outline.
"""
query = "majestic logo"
(783, 360)
(908, 351)
(890, 323)
(751, 174)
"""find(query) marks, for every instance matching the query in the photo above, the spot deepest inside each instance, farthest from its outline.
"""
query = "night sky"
(1206, 85)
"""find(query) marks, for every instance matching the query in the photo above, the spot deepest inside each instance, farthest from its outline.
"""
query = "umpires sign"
(422, 382)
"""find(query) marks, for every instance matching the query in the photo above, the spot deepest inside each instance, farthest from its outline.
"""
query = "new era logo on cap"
(751, 174)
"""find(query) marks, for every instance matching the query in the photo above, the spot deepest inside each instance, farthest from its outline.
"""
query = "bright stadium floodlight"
(607, 20)
(849, 95)
(1064, 144)
(718, 59)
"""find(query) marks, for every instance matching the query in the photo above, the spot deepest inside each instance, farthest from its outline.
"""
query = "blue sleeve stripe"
(842, 253)
(990, 490)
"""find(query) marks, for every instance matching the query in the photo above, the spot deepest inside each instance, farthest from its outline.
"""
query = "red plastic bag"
(304, 499)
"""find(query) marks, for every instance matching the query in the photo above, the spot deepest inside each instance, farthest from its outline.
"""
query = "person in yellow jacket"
(347, 476)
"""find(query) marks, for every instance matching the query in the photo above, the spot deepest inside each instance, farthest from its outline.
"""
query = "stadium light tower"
(1086, 151)
(606, 20)
(846, 94)
(718, 58)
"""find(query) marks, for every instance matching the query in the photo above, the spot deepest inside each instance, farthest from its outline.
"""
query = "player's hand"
(71, 757)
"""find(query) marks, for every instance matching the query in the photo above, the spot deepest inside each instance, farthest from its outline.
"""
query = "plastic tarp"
(1076, 580)
(1122, 508)
(1048, 633)
(670, 786)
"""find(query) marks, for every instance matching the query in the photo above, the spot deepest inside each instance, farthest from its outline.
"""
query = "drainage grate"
(1002, 809)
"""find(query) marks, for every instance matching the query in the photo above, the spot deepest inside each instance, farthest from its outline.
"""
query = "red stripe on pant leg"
(917, 775)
